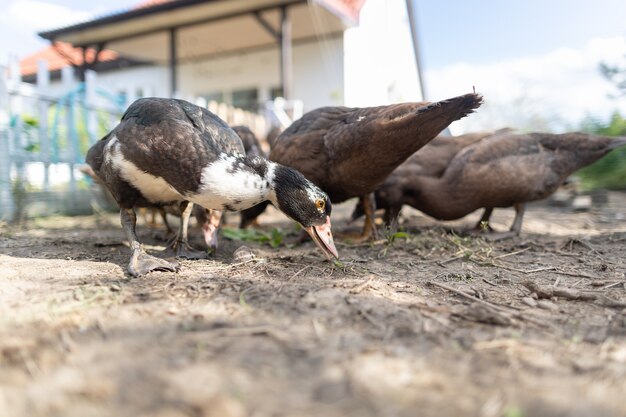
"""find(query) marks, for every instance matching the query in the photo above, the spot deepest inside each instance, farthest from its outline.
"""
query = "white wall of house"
(317, 73)
(145, 80)
(380, 65)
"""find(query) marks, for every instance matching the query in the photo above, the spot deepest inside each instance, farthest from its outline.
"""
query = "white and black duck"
(169, 151)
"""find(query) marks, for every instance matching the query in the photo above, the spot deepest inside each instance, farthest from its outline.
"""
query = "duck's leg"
(368, 203)
(369, 227)
(483, 223)
(169, 232)
(180, 245)
(210, 227)
(391, 218)
(516, 227)
(140, 262)
(163, 214)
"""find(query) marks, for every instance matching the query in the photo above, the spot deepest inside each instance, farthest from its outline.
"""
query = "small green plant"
(463, 277)
(338, 264)
(513, 411)
(390, 239)
(274, 238)
(397, 235)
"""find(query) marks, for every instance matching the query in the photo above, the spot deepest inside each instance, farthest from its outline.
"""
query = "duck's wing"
(174, 140)
(350, 152)
(501, 171)
(213, 129)
(433, 158)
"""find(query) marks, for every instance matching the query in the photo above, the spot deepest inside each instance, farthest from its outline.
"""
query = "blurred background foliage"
(610, 171)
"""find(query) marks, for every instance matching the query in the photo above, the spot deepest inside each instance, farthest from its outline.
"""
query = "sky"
(535, 61)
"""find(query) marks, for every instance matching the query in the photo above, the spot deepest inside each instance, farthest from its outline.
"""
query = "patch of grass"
(513, 411)
(390, 239)
(338, 264)
(274, 238)
(463, 277)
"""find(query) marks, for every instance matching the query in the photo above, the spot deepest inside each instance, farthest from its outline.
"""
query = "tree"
(615, 74)
(610, 171)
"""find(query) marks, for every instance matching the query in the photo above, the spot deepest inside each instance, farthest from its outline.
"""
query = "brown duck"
(431, 161)
(500, 171)
(348, 152)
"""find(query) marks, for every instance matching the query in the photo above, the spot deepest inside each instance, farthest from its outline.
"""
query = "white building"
(245, 52)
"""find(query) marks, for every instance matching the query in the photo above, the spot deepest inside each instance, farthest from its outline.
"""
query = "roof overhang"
(204, 28)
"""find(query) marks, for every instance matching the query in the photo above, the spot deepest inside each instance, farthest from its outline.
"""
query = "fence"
(45, 133)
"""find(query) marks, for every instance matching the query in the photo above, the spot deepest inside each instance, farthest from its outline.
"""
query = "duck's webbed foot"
(182, 249)
(496, 236)
(141, 263)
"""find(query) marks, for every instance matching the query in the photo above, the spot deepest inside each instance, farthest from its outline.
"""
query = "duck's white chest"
(228, 184)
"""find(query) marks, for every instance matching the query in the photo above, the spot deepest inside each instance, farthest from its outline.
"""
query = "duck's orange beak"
(323, 238)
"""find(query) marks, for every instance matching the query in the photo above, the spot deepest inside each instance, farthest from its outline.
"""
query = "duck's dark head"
(305, 203)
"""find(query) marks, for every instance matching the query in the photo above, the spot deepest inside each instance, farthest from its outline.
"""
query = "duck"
(431, 161)
(168, 152)
(503, 170)
(349, 152)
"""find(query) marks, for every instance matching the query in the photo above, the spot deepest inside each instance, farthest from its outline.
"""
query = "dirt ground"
(428, 324)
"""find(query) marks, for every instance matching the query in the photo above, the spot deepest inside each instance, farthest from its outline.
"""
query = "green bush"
(610, 171)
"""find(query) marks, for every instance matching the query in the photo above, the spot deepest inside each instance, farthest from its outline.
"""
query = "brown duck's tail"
(406, 129)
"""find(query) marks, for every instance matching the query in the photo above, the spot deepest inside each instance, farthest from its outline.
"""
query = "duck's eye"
(321, 204)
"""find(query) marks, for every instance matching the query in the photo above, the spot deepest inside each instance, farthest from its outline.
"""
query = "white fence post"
(16, 127)
(43, 84)
(90, 102)
(6, 193)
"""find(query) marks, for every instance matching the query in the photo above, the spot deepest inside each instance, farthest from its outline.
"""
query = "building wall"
(137, 81)
(317, 75)
(379, 58)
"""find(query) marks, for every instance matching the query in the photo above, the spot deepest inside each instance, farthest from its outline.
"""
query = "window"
(247, 99)
(276, 92)
(213, 96)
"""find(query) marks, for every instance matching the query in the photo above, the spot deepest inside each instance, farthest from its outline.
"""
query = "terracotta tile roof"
(58, 57)
(149, 3)
(347, 8)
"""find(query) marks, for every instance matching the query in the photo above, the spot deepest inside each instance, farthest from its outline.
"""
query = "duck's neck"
(435, 198)
(236, 182)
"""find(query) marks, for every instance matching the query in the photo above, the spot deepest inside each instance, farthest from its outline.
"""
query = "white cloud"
(20, 21)
(554, 91)
(39, 15)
